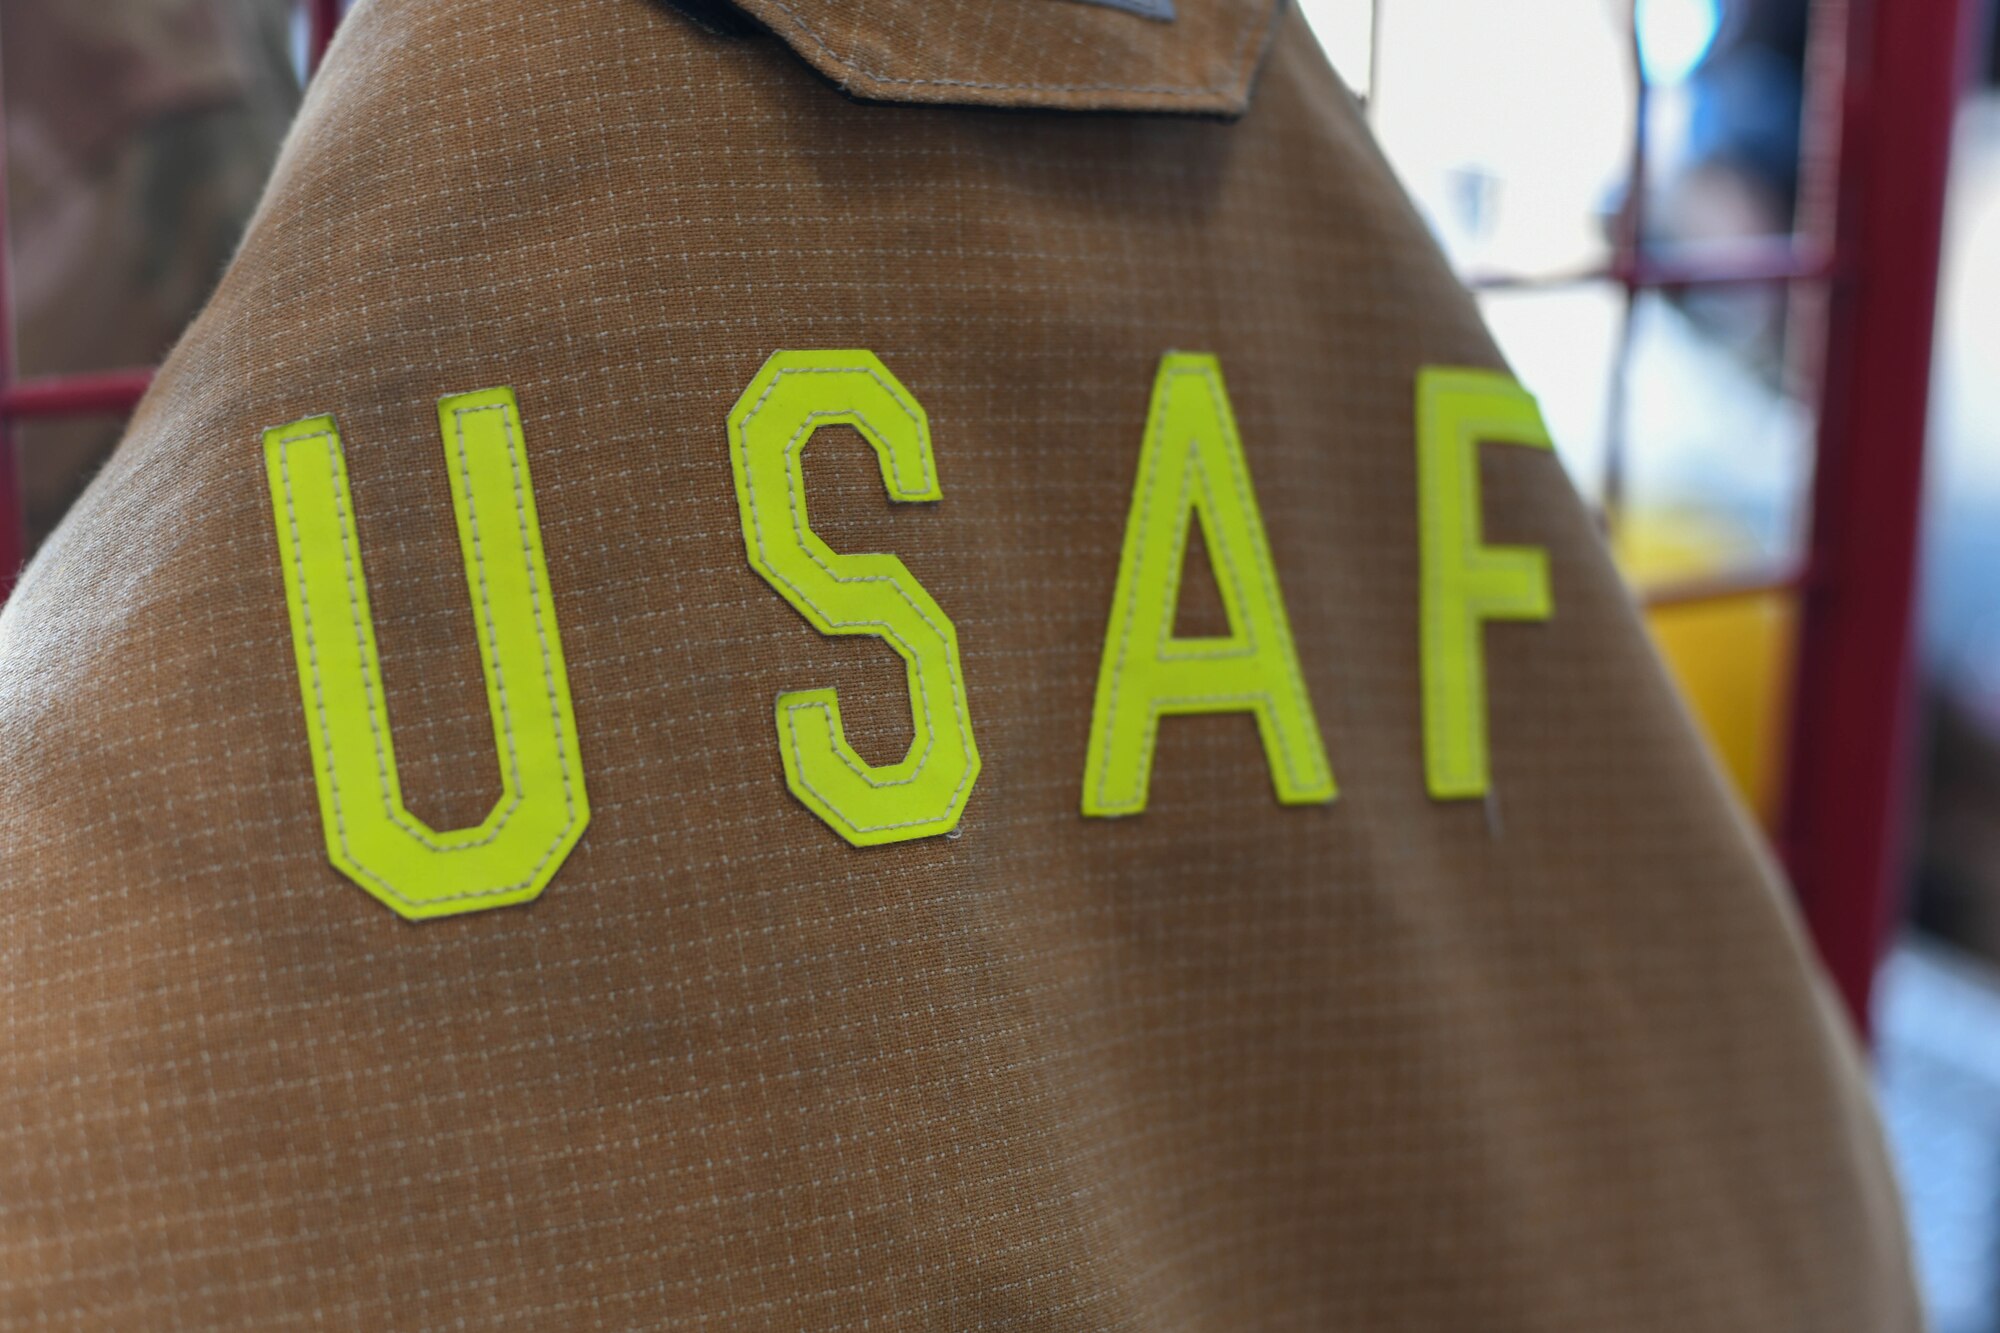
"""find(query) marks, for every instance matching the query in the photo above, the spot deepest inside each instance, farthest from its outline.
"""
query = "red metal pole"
(1724, 264)
(1628, 257)
(1843, 823)
(13, 514)
(322, 17)
(113, 392)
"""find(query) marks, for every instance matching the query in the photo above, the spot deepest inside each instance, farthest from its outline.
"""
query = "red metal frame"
(1883, 83)
(113, 393)
(1843, 823)
(1883, 77)
(13, 515)
(322, 17)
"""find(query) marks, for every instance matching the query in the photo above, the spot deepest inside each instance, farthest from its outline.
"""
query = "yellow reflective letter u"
(371, 836)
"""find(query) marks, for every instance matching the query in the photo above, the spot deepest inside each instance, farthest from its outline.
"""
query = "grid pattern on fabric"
(1225, 1065)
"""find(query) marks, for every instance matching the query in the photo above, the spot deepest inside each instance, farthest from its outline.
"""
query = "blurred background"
(1708, 234)
(1690, 418)
(138, 136)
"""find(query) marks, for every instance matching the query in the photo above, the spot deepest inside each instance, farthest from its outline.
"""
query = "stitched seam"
(1138, 540)
(514, 451)
(923, 460)
(1430, 408)
(377, 708)
(792, 725)
(397, 814)
(1259, 17)
(334, 453)
(800, 528)
(305, 617)
(1152, 733)
(1267, 574)
(1229, 649)
(1435, 408)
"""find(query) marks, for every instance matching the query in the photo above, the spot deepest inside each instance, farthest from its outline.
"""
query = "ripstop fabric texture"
(1554, 1060)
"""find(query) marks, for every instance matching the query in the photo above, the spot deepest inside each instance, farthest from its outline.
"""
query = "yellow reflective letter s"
(1191, 465)
(371, 836)
(794, 395)
(1464, 582)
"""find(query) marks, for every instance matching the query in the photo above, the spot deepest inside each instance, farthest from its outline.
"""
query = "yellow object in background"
(1731, 658)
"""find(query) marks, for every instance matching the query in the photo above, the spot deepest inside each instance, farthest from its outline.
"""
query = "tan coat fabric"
(1387, 1064)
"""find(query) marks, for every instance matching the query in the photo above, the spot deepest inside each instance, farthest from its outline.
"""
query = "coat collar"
(1190, 56)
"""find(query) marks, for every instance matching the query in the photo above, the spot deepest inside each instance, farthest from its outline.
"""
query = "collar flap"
(1195, 56)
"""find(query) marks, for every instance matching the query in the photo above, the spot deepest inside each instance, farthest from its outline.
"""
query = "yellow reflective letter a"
(1191, 465)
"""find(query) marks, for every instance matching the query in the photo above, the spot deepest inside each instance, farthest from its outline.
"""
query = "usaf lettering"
(1191, 469)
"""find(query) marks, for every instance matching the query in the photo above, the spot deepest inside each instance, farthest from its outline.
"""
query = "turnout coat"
(886, 664)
